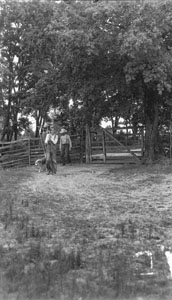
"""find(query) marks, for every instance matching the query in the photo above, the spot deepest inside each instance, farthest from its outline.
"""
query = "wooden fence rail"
(25, 152)
(95, 147)
(119, 148)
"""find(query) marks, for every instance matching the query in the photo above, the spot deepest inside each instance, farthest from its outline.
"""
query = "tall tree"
(25, 54)
(108, 57)
(148, 64)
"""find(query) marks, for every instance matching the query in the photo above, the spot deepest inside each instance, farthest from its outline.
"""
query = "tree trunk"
(7, 130)
(15, 130)
(114, 124)
(151, 127)
(37, 123)
(6, 127)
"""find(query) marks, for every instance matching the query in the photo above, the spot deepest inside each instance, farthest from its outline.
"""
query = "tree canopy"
(108, 58)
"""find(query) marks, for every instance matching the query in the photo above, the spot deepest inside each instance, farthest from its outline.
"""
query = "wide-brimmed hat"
(63, 130)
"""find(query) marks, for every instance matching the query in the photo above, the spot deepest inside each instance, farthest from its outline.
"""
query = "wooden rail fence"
(25, 152)
(99, 146)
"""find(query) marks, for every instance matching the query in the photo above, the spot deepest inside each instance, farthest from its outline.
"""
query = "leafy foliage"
(112, 58)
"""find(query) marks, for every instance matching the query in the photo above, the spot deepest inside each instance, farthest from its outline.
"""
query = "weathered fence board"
(97, 147)
(107, 148)
(26, 151)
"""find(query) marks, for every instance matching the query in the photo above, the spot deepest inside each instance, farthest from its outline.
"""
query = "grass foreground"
(78, 234)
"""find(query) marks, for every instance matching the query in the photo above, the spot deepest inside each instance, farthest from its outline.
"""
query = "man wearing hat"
(65, 146)
(51, 143)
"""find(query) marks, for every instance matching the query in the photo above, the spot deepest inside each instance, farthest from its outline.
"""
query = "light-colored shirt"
(65, 139)
(51, 137)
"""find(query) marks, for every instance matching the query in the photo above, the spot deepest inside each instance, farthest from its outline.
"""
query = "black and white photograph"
(85, 149)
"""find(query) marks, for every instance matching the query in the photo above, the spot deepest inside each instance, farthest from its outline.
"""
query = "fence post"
(142, 141)
(88, 144)
(81, 137)
(170, 140)
(104, 146)
(29, 151)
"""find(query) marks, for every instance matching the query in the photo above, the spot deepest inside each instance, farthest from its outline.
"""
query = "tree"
(25, 54)
(84, 38)
(111, 58)
(148, 64)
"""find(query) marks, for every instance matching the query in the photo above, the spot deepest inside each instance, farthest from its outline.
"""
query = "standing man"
(51, 143)
(65, 146)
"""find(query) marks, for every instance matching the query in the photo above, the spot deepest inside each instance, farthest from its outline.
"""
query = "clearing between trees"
(86, 232)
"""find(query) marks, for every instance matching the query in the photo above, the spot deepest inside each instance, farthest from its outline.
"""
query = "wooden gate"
(121, 148)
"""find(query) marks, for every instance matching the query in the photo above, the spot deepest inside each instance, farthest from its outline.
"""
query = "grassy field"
(77, 234)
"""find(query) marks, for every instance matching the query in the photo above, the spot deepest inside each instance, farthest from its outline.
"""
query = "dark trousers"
(51, 159)
(65, 154)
